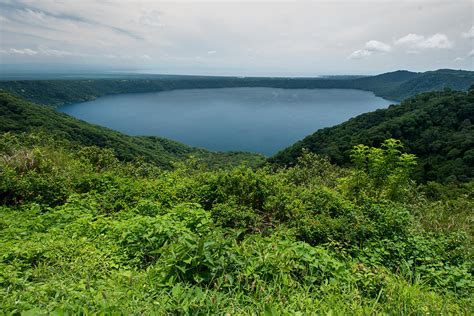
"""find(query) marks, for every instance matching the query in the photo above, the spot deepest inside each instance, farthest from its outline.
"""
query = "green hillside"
(385, 84)
(83, 233)
(96, 222)
(434, 81)
(396, 85)
(19, 116)
(437, 127)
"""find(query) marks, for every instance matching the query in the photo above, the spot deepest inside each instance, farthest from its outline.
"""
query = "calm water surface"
(261, 120)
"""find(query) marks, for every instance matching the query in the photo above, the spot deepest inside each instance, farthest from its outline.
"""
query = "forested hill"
(432, 81)
(396, 85)
(436, 126)
(20, 116)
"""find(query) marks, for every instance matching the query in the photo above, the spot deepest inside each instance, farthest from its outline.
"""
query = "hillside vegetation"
(83, 233)
(396, 85)
(96, 222)
(436, 126)
(19, 116)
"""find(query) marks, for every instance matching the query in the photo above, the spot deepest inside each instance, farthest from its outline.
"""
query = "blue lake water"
(263, 120)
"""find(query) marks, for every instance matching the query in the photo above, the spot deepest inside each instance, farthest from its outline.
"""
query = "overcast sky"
(285, 38)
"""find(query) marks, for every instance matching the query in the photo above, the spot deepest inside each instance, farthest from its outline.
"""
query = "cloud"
(319, 36)
(370, 47)
(41, 51)
(359, 54)
(437, 40)
(38, 17)
(25, 51)
(376, 46)
(458, 59)
(21, 51)
(468, 34)
(409, 39)
(471, 53)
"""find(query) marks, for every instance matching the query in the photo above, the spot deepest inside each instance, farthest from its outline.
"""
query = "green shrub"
(381, 173)
(95, 235)
(232, 215)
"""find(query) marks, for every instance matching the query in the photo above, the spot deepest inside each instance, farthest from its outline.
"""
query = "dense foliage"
(17, 115)
(437, 127)
(94, 221)
(396, 85)
(82, 232)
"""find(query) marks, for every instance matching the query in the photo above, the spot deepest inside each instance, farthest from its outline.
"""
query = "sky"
(245, 38)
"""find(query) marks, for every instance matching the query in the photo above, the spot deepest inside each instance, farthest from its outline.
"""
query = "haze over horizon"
(244, 38)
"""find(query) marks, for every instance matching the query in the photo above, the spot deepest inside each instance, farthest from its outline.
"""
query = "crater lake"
(263, 120)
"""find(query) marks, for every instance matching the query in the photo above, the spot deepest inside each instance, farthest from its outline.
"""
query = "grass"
(83, 233)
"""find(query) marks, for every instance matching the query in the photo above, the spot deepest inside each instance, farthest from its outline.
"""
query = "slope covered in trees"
(87, 227)
(396, 85)
(437, 127)
(83, 233)
(20, 116)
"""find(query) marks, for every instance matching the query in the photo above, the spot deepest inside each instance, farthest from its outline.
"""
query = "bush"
(381, 173)
(232, 215)
(84, 233)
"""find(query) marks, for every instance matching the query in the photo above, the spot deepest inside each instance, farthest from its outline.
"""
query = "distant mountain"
(433, 81)
(401, 84)
(396, 85)
(436, 126)
(18, 116)
(385, 84)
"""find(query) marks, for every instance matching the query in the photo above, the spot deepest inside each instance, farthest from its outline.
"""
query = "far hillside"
(396, 85)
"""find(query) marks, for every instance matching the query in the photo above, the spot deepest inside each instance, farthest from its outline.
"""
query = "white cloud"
(469, 34)
(458, 59)
(377, 46)
(409, 39)
(25, 51)
(21, 51)
(471, 53)
(437, 40)
(359, 54)
(146, 57)
(40, 51)
(211, 52)
(370, 47)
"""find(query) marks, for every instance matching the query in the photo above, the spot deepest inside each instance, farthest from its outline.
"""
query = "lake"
(263, 120)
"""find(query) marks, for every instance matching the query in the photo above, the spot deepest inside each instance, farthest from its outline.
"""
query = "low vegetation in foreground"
(82, 232)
